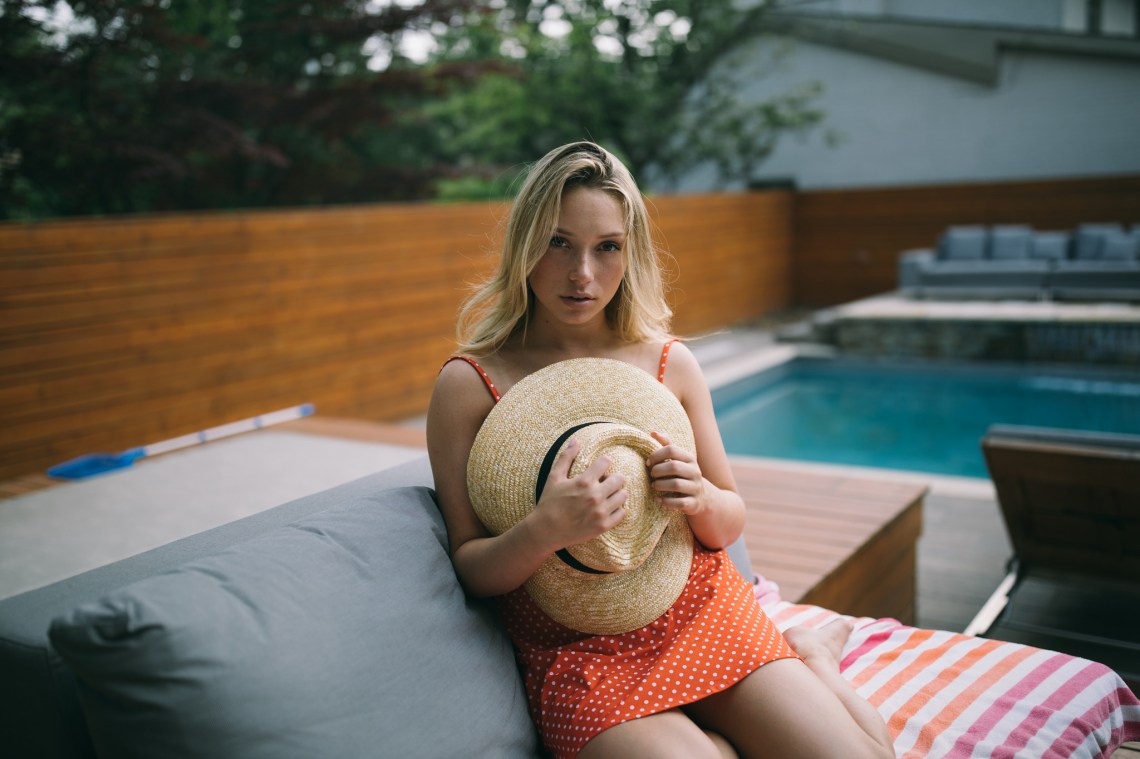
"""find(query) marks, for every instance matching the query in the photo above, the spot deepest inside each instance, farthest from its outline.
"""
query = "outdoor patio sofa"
(334, 626)
(1095, 262)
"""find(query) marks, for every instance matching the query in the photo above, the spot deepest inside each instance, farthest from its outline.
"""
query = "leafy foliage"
(113, 106)
(156, 104)
(644, 77)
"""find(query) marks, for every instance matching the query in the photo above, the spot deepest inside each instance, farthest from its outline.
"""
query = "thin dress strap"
(665, 358)
(486, 379)
(495, 392)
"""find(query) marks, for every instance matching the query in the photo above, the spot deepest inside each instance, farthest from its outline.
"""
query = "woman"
(579, 277)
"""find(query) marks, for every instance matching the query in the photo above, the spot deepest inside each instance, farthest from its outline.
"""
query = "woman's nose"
(580, 270)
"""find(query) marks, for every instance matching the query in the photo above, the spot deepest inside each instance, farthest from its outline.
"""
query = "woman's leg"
(822, 651)
(665, 735)
(786, 709)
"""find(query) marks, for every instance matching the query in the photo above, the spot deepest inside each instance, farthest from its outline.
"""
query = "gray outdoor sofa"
(1095, 262)
(329, 626)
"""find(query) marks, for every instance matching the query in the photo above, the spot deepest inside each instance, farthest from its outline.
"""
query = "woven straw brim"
(648, 556)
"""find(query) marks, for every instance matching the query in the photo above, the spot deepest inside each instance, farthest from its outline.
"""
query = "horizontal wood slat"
(124, 331)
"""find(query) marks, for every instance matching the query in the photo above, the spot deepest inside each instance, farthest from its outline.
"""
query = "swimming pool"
(926, 418)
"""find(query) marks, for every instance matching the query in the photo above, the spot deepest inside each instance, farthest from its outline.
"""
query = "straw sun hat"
(630, 575)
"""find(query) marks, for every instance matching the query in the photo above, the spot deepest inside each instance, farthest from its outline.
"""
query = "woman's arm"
(700, 483)
(572, 510)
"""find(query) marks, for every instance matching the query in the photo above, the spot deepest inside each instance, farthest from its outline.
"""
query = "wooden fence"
(126, 331)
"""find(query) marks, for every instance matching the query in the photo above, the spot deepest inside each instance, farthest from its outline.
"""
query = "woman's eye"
(611, 247)
(557, 242)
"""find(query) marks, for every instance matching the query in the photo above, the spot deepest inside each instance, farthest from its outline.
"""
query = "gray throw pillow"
(345, 634)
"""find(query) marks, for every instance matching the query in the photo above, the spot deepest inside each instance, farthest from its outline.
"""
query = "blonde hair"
(502, 305)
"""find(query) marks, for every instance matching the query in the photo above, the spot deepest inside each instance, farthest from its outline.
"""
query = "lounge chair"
(1071, 505)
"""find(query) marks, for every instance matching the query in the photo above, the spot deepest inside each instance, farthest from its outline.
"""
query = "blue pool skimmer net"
(91, 464)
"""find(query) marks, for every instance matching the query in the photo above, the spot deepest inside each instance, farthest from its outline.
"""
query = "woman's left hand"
(675, 477)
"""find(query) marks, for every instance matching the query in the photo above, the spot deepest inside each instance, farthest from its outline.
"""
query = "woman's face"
(584, 261)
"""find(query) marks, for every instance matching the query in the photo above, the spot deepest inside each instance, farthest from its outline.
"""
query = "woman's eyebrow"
(567, 233)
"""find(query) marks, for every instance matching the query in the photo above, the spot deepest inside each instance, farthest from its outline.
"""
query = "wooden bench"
(843, 542)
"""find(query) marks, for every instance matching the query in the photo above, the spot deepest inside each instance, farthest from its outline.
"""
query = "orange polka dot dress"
(579, 684)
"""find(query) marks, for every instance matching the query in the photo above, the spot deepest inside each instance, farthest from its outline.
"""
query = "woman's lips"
(577, 299)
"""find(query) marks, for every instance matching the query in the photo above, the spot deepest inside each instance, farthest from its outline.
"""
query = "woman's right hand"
(576, 509)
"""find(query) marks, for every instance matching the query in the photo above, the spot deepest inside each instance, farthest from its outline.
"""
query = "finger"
(614, 518)
(661, 455)
(597, 469)
(670, 487)
(661, 438)
(677, 501)
(673, 469)
(669, 452)
(615, 502)
(564, 460)
(612, 483)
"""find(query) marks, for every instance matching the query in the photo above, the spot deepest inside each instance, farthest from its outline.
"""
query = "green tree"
(644, 77)
(139, 105)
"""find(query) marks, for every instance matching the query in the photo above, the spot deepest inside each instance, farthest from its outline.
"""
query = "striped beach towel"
(951, 696)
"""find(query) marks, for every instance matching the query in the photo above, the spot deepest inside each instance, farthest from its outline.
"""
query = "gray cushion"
(1089, 243)
(911, 265)
(1051, 246)
(1096, 280)
(1121, 246)
(343, 634)
(1010, 241)
(962, 243)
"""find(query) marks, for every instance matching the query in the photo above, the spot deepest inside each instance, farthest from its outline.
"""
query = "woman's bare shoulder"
(681, 357)
(683, 373)
(460, 385)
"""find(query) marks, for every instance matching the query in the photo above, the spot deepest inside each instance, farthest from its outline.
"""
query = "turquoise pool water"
(920, 418)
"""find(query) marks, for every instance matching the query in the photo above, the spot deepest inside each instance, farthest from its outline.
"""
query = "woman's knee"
(667, 735)
(783, 709)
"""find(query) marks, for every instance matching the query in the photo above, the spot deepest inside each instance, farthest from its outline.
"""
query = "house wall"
(121, 332)
(1117, 17)
(1050, 114)
(1041, 13)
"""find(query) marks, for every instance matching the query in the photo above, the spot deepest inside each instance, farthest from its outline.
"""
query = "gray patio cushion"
(1089, 242)
(1096, 280)
(1010, 241)
(1121, 246)
(343, 634)
(1051, 246)
(1009, 278)
(962, 243)
(910, 267)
